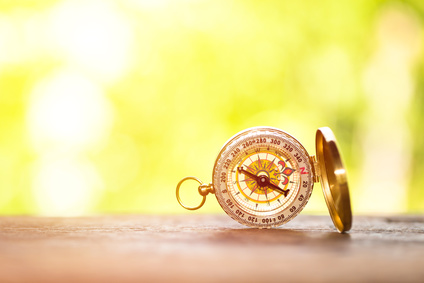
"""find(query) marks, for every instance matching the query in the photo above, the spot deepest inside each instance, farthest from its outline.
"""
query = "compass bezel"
(242, 214)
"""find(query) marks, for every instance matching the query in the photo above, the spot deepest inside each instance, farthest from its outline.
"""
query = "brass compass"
(263, 177)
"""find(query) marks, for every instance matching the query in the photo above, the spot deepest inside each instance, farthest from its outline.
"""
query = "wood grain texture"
(209, 248)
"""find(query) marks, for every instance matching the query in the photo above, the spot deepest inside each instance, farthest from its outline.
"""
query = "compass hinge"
(315, 168)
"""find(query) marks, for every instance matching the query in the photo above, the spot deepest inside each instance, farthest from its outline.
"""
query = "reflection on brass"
(333, 179)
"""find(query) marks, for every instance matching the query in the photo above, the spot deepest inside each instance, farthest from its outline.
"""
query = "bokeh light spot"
(68, 110)
(94, 36)
(66, 186)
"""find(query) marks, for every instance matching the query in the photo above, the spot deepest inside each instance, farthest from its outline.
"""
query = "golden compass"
(263, 177)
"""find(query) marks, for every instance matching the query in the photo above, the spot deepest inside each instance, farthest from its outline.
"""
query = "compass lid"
(333, 179)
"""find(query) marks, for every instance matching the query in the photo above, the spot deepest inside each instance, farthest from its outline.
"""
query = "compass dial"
(262, 177)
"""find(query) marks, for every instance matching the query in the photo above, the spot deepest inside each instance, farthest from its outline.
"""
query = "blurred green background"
(106, 105)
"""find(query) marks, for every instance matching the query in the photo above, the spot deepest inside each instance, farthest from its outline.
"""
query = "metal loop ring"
(178, 193)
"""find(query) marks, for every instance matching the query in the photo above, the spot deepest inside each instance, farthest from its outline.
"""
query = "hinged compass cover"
(333, 179)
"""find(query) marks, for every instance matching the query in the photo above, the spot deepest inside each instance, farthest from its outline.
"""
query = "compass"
(263, 177)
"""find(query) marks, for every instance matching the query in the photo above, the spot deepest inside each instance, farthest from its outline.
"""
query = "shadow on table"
(280, 237)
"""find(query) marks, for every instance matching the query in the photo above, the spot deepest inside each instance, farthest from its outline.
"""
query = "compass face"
(262, 177)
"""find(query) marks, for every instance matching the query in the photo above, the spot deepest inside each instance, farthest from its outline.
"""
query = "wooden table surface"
(209, 248)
